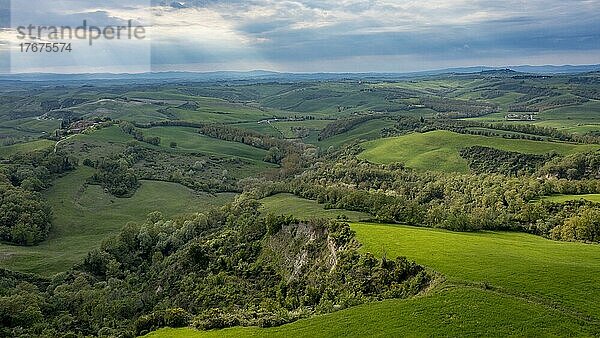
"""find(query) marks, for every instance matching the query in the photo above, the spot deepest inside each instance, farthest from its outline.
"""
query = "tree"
(274, 155)
(291, 165)
(33, 184)
(584, 226)
(117, 176)
(155, 140)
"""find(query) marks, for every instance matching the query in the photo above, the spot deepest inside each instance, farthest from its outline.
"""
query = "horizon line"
(449, 69)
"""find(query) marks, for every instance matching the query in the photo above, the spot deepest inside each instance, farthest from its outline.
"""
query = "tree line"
(130, 129)
(482, 160)
(459, 202)
(453, 108)
(343, 125)
(519, 130)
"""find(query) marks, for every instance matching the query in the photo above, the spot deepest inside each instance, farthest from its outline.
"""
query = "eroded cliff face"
(305, 248)
(321, 258)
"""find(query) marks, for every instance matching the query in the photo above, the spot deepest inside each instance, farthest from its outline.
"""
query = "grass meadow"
(7, 151)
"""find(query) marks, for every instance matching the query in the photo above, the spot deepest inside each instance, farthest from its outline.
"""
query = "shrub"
(164, 318)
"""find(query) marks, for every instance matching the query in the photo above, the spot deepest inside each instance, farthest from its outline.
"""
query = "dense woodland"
(25, 218)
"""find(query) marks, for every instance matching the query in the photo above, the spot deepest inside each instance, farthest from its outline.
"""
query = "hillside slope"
(497, 284)
(439, 150)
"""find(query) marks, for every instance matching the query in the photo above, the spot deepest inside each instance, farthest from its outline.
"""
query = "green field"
(221, 112)
(263, 128)
(558, 274)
(107, 142)
(188, 139)
(8, 151)
(118, 109)
(580, 119)
(111, 134)
(497, 284)
(453, 311)
(285, 127)
(171, 105)
(439, 150)
(84, 215)
(565, 198)
(369, 130)
(572, 116)
(27, 128)
(288, 204)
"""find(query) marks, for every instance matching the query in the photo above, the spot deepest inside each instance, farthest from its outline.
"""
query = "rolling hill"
(439, 150)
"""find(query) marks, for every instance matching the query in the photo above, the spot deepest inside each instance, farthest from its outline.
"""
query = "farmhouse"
(520, 117)
(78, 127)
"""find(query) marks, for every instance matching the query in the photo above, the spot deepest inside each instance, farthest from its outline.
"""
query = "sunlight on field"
(439, 150)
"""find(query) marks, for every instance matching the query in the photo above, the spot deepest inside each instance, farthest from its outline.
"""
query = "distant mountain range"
(548, 69)
(261, 75)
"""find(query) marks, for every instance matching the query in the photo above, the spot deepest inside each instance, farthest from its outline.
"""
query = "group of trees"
(580, 166)
(116, 175)
(226, 267)
(483, 160)
(588, 92)
(581, 226)
(529, 90)
(54, 104)
(535, 97)
(129, 128)
(516, 130)
(292, 156)
(453, 108)
(343, 125)
(248, 137)
(34, 171)
(462, 202)
(25, 218)
(197, 171)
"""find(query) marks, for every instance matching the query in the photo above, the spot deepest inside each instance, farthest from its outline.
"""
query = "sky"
(313, 35)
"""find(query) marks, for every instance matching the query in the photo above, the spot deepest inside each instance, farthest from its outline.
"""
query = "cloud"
(319, 30)
(330, 35)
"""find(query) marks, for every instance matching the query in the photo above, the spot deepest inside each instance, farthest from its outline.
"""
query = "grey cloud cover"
(309, 35)
(313, 31)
